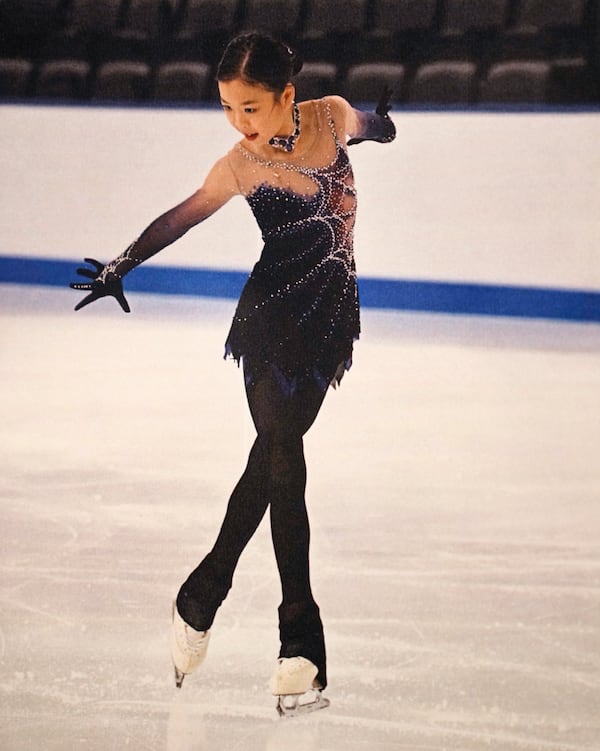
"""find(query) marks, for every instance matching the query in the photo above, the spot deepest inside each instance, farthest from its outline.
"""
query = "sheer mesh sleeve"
(219, 186)
(162, 232)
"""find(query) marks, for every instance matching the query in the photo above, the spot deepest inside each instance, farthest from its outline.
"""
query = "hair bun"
(297, 62)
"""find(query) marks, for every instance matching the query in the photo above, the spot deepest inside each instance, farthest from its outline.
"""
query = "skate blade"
(179, 676)
(293, 705)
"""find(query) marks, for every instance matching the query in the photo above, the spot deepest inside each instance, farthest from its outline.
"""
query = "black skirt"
(298, 311)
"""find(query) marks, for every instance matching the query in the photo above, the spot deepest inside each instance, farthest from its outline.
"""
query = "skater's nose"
(240, 121)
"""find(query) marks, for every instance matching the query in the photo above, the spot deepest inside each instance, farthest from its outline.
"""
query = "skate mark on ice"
(18, 604)
(202, 710)
(445, 727)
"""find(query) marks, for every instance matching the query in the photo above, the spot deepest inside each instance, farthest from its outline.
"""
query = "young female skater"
(293, 331)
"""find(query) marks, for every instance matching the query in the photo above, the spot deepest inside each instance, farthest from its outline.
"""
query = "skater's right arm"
(219, 186)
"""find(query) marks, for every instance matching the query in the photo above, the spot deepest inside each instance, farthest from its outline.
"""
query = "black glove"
(388, 132)
(109, 286)
(383, 105)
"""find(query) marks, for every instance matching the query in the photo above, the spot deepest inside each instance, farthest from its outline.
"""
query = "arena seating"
(444, 82)
(432, 52)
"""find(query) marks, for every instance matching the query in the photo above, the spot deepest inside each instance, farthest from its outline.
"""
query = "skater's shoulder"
(234, 157)
(220, 184)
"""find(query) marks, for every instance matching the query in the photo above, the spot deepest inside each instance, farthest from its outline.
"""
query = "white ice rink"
(454, 489)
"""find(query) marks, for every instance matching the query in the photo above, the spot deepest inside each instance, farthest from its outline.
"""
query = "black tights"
(275, 477)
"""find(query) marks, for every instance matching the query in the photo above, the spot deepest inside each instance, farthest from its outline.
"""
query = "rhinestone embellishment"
(287, 143)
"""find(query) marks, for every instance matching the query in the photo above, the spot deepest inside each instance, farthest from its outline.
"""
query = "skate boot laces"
(190, 640)
(188, 646)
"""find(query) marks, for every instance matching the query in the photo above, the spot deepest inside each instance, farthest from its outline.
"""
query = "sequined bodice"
(281, 212)
(299, 309)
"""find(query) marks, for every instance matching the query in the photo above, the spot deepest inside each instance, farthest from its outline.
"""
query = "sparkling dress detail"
(299, 311)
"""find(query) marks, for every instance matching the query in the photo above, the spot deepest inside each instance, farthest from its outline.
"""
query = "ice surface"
(454, 489)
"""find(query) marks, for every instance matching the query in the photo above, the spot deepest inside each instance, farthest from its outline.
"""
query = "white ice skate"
(295, 686)
(188, 647)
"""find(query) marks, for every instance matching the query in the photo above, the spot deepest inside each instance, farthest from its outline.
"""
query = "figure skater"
(293, 331)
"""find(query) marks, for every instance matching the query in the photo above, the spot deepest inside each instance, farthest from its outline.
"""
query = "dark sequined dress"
(298, 312)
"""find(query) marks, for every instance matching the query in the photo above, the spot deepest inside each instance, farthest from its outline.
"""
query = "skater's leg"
(276, 473)
(285, 419)
(207, 586)
(300, 627)
(275, 417)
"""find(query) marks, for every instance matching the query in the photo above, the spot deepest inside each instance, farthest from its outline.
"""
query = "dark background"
(432, 52)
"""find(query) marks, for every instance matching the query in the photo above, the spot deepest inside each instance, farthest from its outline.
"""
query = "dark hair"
(259, 59)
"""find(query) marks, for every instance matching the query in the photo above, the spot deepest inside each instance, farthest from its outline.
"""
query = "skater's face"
(256, 112)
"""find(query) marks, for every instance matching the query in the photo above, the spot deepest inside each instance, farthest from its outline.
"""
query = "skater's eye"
(249, 110)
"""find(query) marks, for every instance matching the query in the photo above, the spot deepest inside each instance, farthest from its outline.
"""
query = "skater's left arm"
(362, 126)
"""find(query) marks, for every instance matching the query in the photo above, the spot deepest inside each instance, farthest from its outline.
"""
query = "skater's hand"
(382, 109)
(383, 105)
(110, 285)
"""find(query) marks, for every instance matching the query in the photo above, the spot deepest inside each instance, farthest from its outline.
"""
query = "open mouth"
(251, 136)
